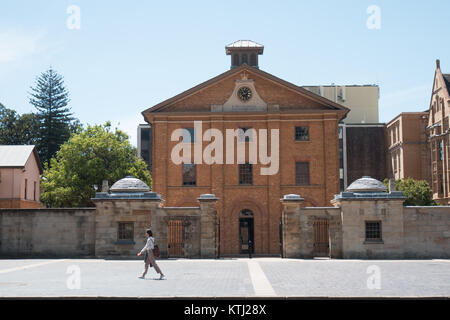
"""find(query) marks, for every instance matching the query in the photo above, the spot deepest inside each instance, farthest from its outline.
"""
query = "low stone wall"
(94, 232)
(47, 232)
(427, 232)
(407, 232)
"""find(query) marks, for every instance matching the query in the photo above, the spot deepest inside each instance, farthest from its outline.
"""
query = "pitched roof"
(17, 156)
(244, 44)
(331, 104)
(447, 81)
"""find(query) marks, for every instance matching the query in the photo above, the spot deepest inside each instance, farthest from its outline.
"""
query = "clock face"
(244, 93)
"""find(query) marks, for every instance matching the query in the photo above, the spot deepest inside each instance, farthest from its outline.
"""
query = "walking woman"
(149, 257)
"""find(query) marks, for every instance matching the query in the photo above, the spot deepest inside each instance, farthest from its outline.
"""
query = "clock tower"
(244, 51)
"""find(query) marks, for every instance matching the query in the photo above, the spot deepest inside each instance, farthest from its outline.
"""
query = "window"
(125, 231)
(245, 135)
(235, 59)
(34, 190)
(189, 174)
(302, 173)
(373, 231)
(188, 135)
(26, 188)
(244, 58)
(301, 133)
(245, 173)
(441, 150)
(253, 60)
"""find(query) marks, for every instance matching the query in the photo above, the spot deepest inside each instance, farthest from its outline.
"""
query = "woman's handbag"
(156, 251)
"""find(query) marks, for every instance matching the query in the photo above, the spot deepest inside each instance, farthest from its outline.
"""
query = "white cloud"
(17, 44)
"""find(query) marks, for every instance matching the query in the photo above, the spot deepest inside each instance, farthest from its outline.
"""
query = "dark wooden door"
(246, 238)
(321, 238)
(175, 239)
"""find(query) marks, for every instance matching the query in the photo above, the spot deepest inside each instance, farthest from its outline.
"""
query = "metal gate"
(321, 238)
(280, 231)
(175, 239)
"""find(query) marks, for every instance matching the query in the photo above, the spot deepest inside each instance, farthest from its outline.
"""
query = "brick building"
(408, 153)
(247, 98)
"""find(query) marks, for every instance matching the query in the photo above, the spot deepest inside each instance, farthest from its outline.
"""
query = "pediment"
(269, 93)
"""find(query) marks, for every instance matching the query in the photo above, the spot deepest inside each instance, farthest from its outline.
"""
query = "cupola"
(244, 51)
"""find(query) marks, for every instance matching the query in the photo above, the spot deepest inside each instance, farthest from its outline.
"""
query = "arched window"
(235, 60)
(253, 60)
(244, 58)
(246, 213)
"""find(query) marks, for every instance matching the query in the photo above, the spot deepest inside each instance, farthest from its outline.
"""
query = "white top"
(14, 156)
(150, 245)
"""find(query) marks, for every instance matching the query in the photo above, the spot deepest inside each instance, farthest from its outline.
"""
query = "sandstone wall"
(47, 232)
(427, 232)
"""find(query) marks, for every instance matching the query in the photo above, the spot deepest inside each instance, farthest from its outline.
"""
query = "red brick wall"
(19, 204)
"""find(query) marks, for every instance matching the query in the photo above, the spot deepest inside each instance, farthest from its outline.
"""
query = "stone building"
(247, 98)
(130, 208)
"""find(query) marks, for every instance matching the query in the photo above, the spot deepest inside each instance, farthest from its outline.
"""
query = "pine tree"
(50, 98)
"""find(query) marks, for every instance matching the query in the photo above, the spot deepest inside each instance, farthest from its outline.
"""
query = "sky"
(119, 58)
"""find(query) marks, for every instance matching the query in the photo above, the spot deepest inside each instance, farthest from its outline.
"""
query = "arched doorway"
(246, 232)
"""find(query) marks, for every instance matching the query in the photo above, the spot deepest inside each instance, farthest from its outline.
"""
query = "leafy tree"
(50, 98)
(417, 192)
(18, 129)
(89, 157)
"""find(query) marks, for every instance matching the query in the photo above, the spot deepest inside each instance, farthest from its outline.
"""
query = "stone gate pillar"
(208, 225)
(290, 219)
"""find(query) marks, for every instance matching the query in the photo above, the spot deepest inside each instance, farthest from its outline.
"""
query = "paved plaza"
(257, 277)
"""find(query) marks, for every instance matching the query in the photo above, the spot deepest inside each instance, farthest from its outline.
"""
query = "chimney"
(392, 185)
(438, 64)
(105, 187)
